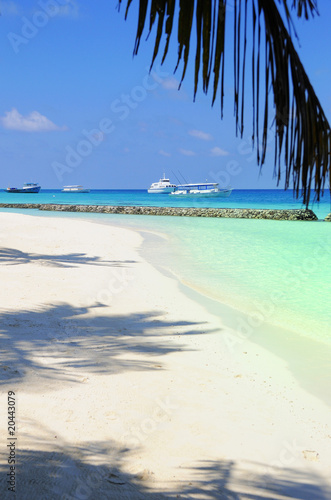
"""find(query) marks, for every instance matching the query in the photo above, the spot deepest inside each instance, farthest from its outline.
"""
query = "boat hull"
(161, 190)
(203, 194)
(75, 191)
(27, 190)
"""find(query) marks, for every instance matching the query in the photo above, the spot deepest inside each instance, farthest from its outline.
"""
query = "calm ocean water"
(269, 198)
(276, 270)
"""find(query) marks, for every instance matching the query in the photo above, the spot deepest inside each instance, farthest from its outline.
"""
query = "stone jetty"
(235, 213)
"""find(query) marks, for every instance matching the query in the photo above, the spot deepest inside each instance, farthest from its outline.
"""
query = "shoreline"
(125, 383)
(293, 348)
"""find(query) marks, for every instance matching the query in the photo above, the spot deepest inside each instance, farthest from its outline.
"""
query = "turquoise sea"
(275, 273)
(244, 198)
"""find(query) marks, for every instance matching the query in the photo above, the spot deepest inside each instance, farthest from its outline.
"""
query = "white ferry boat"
(163, 186)
(29, 187)
(201, 189)
(75, 189)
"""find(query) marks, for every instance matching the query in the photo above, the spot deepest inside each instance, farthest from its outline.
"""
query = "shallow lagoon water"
(276, 270)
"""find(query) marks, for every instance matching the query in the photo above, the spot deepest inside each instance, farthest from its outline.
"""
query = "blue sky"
(77, 108)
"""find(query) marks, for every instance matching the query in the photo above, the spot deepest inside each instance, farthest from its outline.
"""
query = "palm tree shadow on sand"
(13, 256)
(54, 342)
(51, 468)
(71, 473)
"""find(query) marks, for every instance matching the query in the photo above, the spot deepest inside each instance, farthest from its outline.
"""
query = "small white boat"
(201, 189)
(29, 187)
(163, 186)
(75, 189)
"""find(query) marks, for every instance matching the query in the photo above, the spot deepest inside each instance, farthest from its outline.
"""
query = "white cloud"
(34, 122)
(55, 9)
(187, 152)
(216, 151)
(9, 9)
(164, 153)
(70, 10)
(201, 135)
(170, 83)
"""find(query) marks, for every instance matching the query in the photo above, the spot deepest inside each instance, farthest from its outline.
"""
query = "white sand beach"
(126, 388)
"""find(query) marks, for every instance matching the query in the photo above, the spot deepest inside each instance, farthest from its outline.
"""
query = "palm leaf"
(302, 131)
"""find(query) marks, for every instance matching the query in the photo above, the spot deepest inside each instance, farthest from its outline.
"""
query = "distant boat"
(74, 189)
(163, 186)
(201, 189)
(29, 187)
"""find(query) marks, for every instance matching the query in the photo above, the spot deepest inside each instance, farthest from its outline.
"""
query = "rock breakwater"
(237, 213)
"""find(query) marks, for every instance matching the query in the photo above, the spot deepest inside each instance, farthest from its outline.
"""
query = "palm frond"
(305, 7)
(301, 127)
(302, 131)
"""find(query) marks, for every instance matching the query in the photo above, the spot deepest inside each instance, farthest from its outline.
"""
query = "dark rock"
(240, 213)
